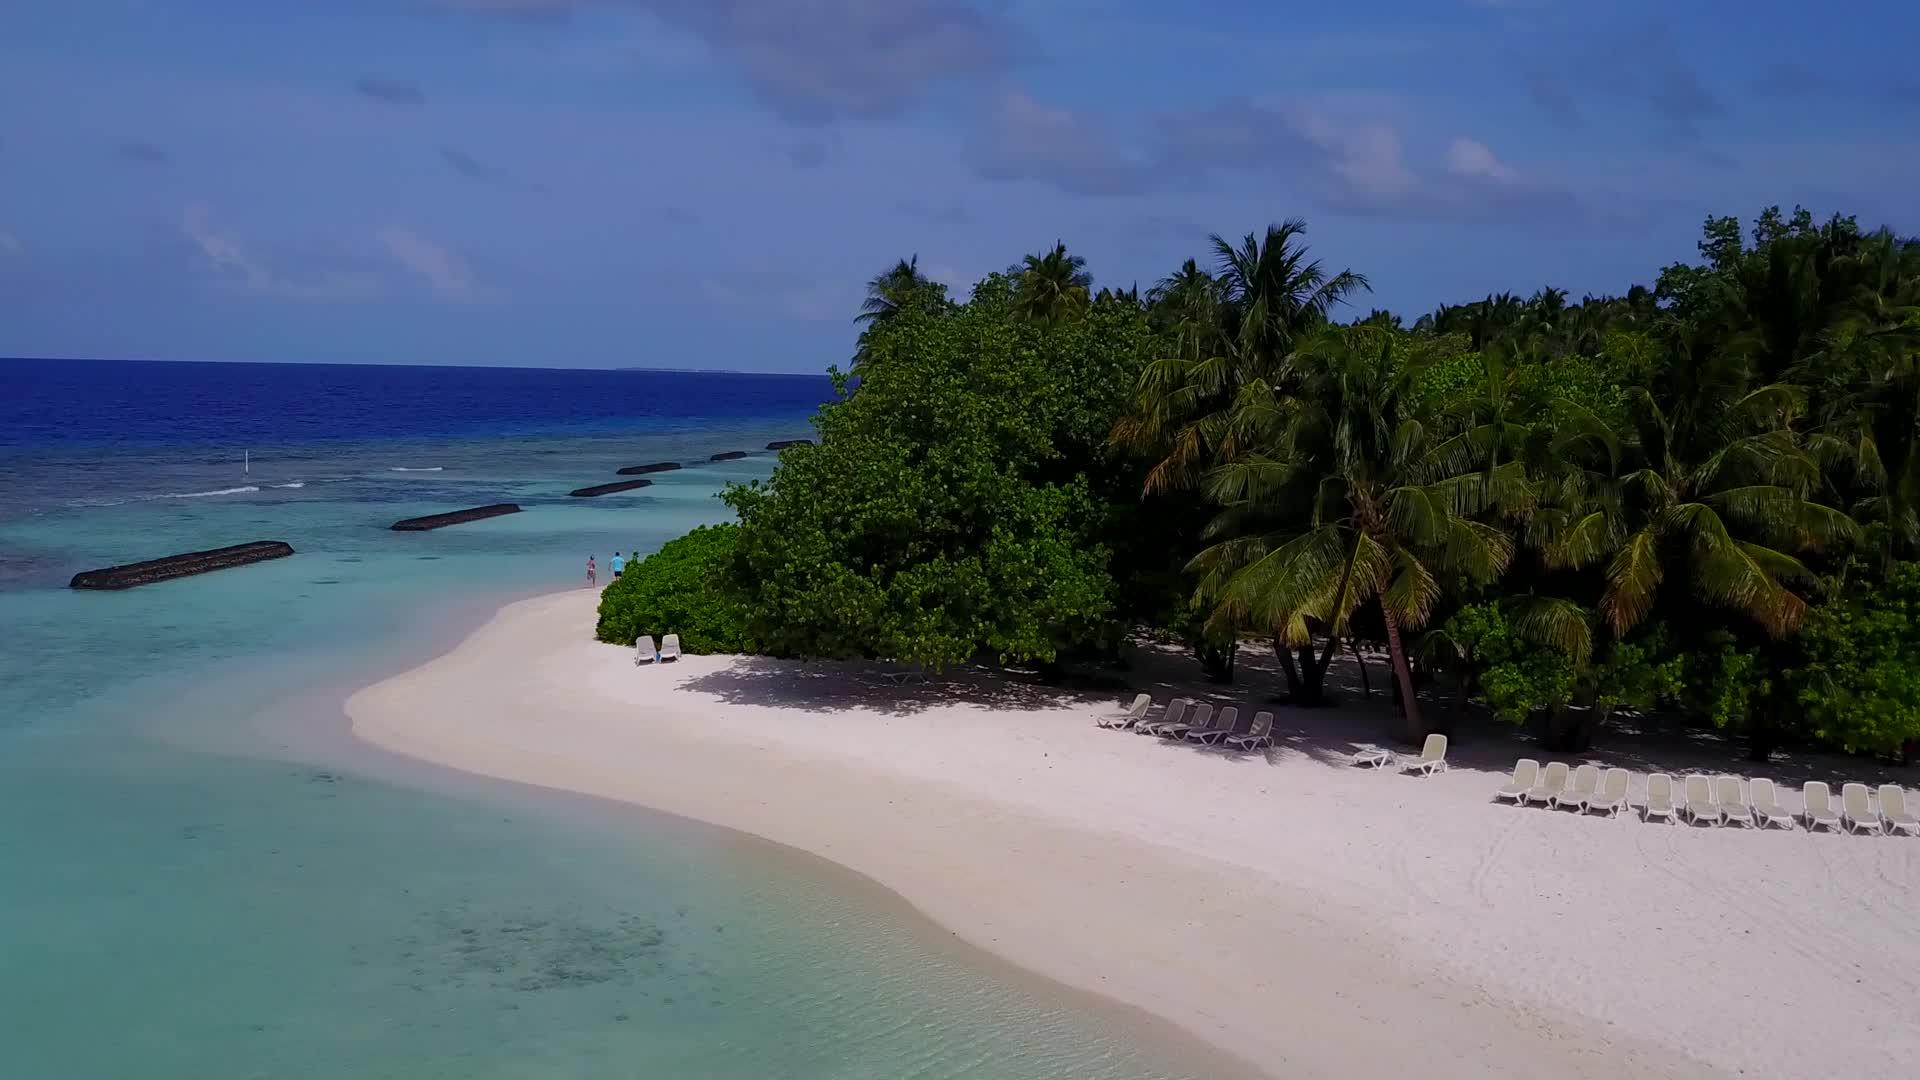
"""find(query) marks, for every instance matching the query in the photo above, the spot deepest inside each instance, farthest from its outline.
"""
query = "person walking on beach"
(618, 563)
(589, 571)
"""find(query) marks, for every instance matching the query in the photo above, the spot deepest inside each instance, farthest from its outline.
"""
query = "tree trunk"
(1288, 668)
(1762, 736)
(1415, 730)
(1366, 686)
(1571, 731)
(1333, 624)
(1217, 659)
(1313, 678)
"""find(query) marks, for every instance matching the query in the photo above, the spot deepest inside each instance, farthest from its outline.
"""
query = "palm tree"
(1867, 369)
(1233, 329)
(1053, 284)
(890, 290)
(890, 293)
(1277, 294)
(1717, 489)
(1389, 510)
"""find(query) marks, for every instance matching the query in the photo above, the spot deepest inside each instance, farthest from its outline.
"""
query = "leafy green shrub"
(1859, 680)
(949, 509)
(675, 591)
(1515, 676)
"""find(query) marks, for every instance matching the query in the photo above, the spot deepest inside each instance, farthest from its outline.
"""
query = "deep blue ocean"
(203, 876)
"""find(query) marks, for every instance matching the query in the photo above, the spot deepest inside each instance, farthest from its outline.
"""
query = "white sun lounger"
(1225, 725)
(670, 648)
(1551, 783)
(1893, 811)
(1819, 812)
(1766, 804)
(1525, 772)
(1200, 719)
(1432, 759)
(1131, 716)
(1586, 779)
(1374, 758)
(1612, 796)
(643, 650)
(1734, 808)
(1856, 809)
(1659, 802)
(1175, 712)
(1219, 723)
(1700, 805)
(1259, 735)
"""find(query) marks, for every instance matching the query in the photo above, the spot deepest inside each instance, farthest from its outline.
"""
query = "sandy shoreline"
(1312, 919)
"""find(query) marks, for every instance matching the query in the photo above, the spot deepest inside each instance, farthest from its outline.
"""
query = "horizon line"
(821, 374)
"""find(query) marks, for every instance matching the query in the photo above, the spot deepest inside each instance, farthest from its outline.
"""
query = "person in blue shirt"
(618, 564)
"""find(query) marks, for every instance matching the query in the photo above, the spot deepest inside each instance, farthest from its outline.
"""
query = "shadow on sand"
(1353, 720)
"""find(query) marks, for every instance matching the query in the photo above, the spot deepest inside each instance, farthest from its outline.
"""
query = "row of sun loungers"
(1716, 800)
(1185, 721)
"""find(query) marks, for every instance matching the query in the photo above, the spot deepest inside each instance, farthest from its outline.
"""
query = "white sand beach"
(1313, 919)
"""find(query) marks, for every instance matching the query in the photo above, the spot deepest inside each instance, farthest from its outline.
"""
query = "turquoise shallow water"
(201, 876)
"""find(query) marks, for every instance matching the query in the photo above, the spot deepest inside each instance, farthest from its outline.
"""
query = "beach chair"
(1374, 758)
(1700, 805)
(1432, 759)
(1258, 736)
(1612, 796)
(1525, 772)
(670, 648)
(1734, 808)
(1176, 711)
(1200, 719)
(1894, 816)
(1659, 802)
(1856, 809)
(1766, 804)
(1131, 716)
(643, 650)
(1220, 723)
(1551, 782)
(1226, 726)
(1819, 812)
(901, 677)
(1586, 779)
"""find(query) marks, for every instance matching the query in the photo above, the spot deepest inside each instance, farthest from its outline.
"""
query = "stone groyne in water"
(456, 517)
(177, 566)
(608, 489)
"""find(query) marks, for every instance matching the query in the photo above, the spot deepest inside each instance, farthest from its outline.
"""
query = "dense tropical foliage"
(678, 590)
(1698, 499)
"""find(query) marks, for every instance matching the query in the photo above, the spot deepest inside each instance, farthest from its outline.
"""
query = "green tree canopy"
(947, 509)
(678, 590)
(1859, 676)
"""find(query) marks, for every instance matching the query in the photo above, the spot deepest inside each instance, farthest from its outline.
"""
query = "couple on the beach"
(618, 565)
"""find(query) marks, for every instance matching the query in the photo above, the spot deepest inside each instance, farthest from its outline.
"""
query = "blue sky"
(600, 183)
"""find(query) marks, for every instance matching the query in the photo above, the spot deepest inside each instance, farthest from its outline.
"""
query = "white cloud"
(1355, 162)
(231, 259)
(1473, 160)
(957, 281)
(442, 271)
(1024, 139)
(9, 243)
